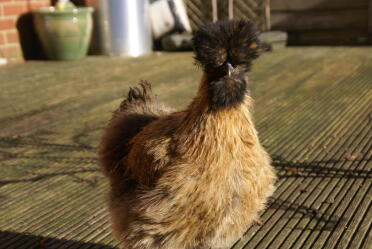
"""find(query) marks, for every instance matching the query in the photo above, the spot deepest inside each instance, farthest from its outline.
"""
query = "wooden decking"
(313, 112)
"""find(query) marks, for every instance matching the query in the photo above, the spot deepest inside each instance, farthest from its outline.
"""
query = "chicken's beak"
(230, 69)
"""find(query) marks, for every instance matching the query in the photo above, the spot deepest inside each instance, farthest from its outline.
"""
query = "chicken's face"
(228, 87)
(226, 50)
(227, 83)
(234, 42)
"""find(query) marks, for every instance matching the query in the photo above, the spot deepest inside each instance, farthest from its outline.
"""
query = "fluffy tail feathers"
(139, 109)
(137, 95)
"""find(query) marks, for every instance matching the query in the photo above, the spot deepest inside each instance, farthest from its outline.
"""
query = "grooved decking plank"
(265, 240)
(312, 111)
(315, 199)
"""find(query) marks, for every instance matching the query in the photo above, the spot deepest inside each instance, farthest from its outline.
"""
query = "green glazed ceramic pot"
(64, 34)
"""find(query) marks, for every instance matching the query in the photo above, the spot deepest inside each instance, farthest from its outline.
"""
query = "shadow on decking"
(287, 168)
(71, 173)
(324, 221)
(19, 240)
(66, 159)
(319, 169)
(15, 142)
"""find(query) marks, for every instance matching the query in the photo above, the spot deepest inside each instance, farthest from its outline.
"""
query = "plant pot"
(64, 34)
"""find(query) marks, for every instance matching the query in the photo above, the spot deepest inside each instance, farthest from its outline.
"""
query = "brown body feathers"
(195, 179)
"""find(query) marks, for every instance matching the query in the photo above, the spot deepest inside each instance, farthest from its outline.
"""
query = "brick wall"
(11, 11)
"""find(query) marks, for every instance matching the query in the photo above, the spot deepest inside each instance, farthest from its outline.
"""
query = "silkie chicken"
(193, 179)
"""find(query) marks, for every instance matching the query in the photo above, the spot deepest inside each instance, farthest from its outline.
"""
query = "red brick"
(11, 51)
(12, 37)
(7, 24)
(41, 1)
(35, 5)
(14, 9)
(89, 2)
(2, 39)
(45, 2)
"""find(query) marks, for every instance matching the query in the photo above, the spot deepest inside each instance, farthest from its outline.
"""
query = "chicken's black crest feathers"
(233, 42)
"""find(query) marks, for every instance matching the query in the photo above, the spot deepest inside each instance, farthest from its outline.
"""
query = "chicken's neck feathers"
(219, 131)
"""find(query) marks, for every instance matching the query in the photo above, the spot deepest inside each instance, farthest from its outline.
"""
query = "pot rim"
(51, 10)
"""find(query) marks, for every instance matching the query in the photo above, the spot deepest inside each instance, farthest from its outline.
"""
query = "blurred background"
(67, 65)
(132, 28)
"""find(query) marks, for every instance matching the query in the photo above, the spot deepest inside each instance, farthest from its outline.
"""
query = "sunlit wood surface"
(312, 109)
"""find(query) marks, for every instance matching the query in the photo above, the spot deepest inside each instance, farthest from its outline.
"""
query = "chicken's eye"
(253, 45)
(221, 56)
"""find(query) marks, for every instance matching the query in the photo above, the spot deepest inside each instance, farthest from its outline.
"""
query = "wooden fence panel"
(320, 20)
(370, 17)
(200, 11)
(253, 10)
(323, 21)
(295, 5)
